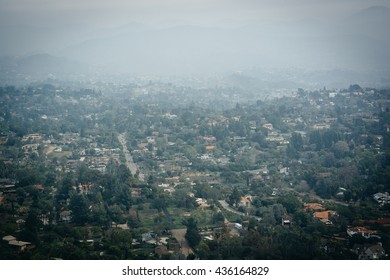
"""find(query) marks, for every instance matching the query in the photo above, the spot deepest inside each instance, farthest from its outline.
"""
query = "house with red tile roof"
(325, 216)
(244, 202)
(209, 148)
(363, 231)
(313, 206)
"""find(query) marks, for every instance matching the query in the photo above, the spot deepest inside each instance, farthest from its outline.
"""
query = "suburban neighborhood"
(156, 171)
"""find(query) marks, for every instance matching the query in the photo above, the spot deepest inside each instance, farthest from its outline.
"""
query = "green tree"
(234, 198)
(79, 206)
(296, 141)
(99, 215)
(123, 173)
(290, 202)
(32, 225)
(231, 247)
(340, 149)
(192, 235)
(65, 188)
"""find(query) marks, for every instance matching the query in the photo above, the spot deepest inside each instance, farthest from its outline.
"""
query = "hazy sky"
(101, 33)
(173, 12)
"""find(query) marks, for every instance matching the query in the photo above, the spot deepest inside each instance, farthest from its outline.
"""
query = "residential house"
(9, 238)
(275, 192)
(382, 198)
(268, 126)
(286, 220)
(83, 188)
(321, 126)
(149, 237)
(244, 202)
(166, 187)
(202, 202)
(121, 226)
(324, 174)
(35, 137)
(66, 216)
(369, 251)
(325, 216)
(45, 219)
(209, 139)
(284, 170)
(136, 192)
(39, 187)
(175, 179)
(21, 245)
(374, 252)
(275, 138)
(20, 223)
(3, 140)
(30, 148)
(191, 194)
(238, 226)
(363, 231)
(313, 206)
(142, 146)
(169, 189)
(151, 140)
(238, 138)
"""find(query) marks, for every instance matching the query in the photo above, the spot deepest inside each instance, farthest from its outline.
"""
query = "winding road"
(225, 205)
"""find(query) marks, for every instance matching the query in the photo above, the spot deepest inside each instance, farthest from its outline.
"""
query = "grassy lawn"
(203, 217)
(147, 216)
(177, 215)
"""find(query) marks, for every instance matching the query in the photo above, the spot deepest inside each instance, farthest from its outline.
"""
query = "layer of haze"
(200, 36)
(170, 12)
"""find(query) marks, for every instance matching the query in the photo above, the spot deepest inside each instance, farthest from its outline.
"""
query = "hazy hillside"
(40, 67)
(358, 43)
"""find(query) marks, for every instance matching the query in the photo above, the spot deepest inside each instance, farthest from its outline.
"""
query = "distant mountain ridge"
(41, 67)
(48, 63)
(374, 12)
(359, 42)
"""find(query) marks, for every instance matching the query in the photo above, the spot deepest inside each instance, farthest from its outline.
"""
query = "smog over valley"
(195, 130)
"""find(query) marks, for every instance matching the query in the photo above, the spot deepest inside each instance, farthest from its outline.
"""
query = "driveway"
(179, 235)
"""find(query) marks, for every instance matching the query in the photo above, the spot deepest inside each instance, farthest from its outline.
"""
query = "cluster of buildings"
(71, 147)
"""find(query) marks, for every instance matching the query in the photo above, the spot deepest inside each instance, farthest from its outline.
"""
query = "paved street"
(129, 159)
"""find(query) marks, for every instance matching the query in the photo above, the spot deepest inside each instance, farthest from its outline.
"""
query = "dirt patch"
(179, 235)
(49, 150)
